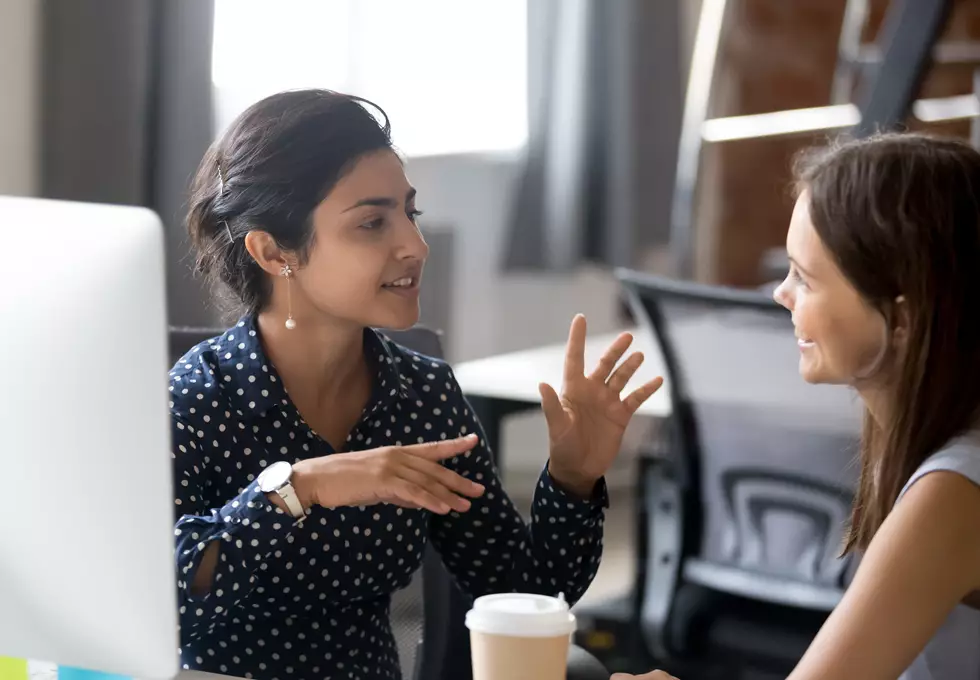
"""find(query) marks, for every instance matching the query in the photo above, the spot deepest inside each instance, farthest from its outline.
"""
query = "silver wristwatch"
(276, 479)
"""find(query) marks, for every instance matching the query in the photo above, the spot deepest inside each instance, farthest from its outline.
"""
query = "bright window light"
(451, 75)
(788, 122)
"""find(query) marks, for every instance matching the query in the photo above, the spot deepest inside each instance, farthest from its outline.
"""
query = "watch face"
(274, 476)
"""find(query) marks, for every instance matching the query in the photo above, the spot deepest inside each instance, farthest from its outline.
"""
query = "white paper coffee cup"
(519, 636)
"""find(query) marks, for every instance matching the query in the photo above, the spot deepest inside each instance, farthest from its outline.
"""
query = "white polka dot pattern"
(310, 599)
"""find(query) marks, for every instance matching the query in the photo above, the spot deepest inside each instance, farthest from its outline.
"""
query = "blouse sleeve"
(490, 548)
(248, 527)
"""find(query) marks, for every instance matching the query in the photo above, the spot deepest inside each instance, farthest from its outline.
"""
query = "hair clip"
(221, 191)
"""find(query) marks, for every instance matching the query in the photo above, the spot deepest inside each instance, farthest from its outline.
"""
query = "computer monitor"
(86, 512)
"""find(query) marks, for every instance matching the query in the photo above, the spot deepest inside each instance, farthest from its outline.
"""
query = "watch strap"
(289, 497)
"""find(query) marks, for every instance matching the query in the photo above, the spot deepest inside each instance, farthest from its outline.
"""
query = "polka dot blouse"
(310, 599)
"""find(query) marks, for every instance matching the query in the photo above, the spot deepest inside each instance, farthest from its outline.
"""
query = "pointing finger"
(441, 450)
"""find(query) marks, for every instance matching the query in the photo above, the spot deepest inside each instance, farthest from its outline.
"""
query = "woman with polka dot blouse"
(314, 458)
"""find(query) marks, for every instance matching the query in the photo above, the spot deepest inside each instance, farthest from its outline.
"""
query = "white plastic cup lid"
(521, 615)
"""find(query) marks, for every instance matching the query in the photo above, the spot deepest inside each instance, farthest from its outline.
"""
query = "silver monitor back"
(86, 518)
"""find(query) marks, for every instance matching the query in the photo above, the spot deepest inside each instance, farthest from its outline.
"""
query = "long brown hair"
(900, 214)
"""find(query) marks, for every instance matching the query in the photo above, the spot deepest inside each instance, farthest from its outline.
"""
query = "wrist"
(575, 484)
(303, 485)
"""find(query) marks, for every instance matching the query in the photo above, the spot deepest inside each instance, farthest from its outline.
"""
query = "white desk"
(515, 376)
(748, 366)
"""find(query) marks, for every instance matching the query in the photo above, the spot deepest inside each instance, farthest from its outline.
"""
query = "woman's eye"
(797, 277)
(374, 224)
(414, 214)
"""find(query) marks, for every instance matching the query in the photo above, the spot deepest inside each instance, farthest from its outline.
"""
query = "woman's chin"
(810, 371)
(399, 320)
(817, 375)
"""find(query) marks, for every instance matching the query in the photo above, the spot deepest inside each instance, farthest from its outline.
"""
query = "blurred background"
(543, 134)
(551, 141)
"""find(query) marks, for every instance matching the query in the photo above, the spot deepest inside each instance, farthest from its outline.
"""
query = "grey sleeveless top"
(954, 652)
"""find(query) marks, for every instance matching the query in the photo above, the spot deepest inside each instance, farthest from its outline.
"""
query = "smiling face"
(367, 254)
(841, 337)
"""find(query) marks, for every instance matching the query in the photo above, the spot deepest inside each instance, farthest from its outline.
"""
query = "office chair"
(744, 516)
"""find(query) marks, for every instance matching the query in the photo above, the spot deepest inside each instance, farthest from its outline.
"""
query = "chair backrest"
(769, 459)
(420, 613)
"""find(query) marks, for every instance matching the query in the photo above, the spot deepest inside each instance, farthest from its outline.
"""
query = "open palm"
(586, 423)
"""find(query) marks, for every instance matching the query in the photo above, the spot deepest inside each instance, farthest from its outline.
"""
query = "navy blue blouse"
(310, 599)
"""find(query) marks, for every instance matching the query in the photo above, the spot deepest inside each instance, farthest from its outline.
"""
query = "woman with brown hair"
(884, 288)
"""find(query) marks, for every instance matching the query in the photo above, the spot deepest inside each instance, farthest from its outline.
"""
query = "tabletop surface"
(516, 375)
(750, 366)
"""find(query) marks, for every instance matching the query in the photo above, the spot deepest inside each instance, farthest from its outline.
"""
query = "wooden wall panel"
(781, 55)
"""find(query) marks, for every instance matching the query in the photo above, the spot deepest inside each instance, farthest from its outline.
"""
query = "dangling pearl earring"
(288, 273)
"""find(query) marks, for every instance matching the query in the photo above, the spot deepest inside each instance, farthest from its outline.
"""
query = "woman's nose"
(782, 296)
(413, 243)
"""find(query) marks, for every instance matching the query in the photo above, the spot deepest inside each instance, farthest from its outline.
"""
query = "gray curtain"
(605, 103)
(127, 114)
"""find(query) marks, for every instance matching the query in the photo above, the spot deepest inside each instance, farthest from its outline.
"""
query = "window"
(450, 74)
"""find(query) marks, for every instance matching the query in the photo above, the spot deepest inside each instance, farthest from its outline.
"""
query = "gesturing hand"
(586, 424)
(409, 476)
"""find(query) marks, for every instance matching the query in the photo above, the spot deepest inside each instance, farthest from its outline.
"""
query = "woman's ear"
(265, 251)
(900, 321)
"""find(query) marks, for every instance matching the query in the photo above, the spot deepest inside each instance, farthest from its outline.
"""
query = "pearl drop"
(290, 324)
